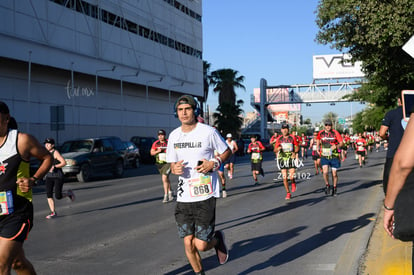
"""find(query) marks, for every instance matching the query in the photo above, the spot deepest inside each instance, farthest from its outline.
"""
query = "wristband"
(217, 163)
(35, 179)
(388, 208)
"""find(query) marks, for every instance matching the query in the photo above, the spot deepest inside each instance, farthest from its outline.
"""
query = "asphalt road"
(120, 226)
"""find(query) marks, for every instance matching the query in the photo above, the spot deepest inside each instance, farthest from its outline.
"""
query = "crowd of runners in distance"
(327, 147)
(291, 149)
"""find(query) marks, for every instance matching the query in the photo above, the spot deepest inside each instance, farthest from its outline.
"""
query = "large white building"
(80, 68)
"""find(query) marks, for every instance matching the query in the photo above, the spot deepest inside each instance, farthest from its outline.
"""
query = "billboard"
(277, 95)
(335, 66)
(280, 117)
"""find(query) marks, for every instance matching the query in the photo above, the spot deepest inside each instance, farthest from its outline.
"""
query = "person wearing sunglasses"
(328, 143)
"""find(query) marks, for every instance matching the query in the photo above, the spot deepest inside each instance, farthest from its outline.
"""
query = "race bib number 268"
(201, 186)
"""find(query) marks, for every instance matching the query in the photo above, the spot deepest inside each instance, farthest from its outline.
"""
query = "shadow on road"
(326, 235)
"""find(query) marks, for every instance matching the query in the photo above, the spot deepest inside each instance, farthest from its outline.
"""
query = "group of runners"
(328, 149)
(198, 155)
(291, 149)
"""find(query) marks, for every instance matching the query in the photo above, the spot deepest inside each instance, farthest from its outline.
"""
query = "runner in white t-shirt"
(190, 151)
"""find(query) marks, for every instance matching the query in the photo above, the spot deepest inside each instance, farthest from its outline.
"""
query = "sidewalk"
(384, 255)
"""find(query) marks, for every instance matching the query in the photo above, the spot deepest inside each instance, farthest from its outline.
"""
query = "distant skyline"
(274, 40)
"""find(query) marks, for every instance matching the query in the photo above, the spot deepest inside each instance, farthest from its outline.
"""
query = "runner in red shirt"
(315, 153)
(344, 150)
(361, 151)
(158, 150)
(255, 149)
(273, 139)
(303, 146)
(286, 148)
(329, 141)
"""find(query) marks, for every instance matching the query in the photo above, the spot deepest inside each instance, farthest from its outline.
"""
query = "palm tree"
(206, 83)
(331, 116)
(225, 81)
(228, 118)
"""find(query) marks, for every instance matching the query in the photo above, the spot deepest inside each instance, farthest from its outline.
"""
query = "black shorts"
(362, 153)
(196, 218)
(16, 226)
(232, 159)
(256, 166)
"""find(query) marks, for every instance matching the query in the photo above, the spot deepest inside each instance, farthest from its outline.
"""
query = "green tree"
(228, 118)
(357, 123)
(334, 118)
(369, 120)
(372, 31)
(225, 81)
(331, 116)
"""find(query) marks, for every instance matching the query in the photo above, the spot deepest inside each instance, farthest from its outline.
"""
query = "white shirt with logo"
(192, 147)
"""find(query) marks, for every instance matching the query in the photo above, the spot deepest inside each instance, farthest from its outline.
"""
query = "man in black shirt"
(392, 122)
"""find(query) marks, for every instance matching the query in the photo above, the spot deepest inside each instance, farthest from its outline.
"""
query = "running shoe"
(221, 249)
(293, 187)
(256, 183)
(51, 215)
(71, 195)
(334, 191)
(229, 174)
(224, 194)
(165, 200)
(170, 196)
(327, 189)
(288, 196)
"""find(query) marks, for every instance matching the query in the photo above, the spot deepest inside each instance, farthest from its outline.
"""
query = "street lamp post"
(96, 95)
(29, 87)
(122, 99)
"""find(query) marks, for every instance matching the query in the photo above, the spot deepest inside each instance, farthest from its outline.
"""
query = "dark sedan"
(131, 154)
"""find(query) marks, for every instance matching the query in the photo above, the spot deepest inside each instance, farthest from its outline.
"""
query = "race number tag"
(287, 147)
(201, 186)
(314, 147)
(361, 148)
(162, 157)
(6, 203)
(327, 152)
(255, 156)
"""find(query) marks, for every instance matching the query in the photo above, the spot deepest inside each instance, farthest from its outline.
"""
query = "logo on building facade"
(78, 91)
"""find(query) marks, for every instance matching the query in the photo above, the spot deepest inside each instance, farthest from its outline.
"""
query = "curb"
(384, 255)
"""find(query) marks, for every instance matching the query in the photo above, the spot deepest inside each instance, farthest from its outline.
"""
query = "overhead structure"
(335, 77)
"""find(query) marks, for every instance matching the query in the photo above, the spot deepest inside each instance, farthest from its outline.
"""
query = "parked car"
(131, 154)
(144, 144)
(90, 157)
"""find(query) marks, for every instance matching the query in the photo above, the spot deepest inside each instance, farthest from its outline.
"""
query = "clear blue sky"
(269, 39)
